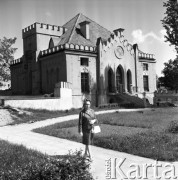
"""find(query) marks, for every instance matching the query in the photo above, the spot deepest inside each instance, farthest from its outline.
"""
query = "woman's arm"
(96, 122)
(80, 123)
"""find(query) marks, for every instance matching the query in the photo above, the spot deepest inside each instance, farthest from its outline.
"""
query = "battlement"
(42, 28)
(142, 55)
(118, 37)
(62, 84)
(16, 61)
(67, 46)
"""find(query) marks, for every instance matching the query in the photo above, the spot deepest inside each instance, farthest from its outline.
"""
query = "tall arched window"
(120, 79)
(129, 81)
(110, 80)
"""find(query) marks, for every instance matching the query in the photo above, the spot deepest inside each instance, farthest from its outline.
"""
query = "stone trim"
(118, 37)
(16, 61)
(68, 47)
(43, 28)
(142, 55)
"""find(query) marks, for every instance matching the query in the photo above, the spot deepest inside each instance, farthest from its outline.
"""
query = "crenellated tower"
(36, 37)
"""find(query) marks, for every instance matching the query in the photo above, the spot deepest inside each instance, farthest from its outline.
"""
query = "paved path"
(22, 134)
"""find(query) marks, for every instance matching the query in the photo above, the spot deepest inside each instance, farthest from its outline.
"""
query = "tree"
(160, 82)
(6, 56)
(170, 22)
(170, 71)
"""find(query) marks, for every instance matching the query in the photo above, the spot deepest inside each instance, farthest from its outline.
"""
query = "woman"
(87, 119)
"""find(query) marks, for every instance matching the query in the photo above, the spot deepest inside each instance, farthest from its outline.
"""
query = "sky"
(141, 20)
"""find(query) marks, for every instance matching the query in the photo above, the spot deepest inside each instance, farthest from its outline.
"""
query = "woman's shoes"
(87, 157)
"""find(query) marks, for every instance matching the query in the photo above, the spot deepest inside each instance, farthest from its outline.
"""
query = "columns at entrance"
(120, 81)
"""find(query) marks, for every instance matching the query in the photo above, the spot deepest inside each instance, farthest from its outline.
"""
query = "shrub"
(16, 162)
(172, 127)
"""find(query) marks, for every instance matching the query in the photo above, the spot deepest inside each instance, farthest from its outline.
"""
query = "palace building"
(95, 62)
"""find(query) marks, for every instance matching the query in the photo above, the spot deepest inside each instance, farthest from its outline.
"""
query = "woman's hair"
(86, 100)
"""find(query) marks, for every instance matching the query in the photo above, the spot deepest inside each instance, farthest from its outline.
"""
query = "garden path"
(22, 134)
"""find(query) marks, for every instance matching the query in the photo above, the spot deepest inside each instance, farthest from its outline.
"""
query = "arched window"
(129, 81)
(110, 80)
(120, 79)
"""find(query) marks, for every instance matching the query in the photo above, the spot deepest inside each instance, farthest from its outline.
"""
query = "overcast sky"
(141, 20)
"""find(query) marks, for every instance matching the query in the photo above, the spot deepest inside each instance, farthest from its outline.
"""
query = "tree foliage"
(6, 56)
(170, 71)
(170, 22)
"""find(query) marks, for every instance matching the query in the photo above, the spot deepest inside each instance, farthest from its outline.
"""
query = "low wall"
(51, 104)
(168, 96)
(148, 95)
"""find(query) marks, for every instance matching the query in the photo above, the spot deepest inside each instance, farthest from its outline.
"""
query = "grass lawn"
(34, 115)
(17, 162)
(140, 133)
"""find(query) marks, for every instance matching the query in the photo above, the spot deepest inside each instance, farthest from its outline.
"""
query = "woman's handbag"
(96, 129)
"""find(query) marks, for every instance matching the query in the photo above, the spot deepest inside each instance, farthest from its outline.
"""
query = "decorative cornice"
(67, 47)
(118, 37)
(147, 56)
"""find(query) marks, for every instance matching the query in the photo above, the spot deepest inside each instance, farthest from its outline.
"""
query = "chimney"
(120, 30)
(85, 30)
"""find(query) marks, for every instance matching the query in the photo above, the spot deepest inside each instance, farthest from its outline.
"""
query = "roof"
(73, 34)
(54, 41)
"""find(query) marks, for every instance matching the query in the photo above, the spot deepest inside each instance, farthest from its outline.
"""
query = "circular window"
(119, 52)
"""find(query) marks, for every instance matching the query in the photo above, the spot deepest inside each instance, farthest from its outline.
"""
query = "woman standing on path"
(87, 119)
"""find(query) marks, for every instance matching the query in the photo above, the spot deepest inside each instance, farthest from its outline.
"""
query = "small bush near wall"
(17, 162)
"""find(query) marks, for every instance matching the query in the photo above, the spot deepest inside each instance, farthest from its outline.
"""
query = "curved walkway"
(123, 165)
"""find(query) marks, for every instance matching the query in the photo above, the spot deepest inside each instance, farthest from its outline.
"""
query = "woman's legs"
(88, 140)
(87, 151)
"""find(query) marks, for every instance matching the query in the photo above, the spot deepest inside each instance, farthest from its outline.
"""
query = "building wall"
(35, 38)
(40, 76)
(53, 70)
(151, 73)
(17, 79)
(52, 104)
(108, 59)
(74, 70)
